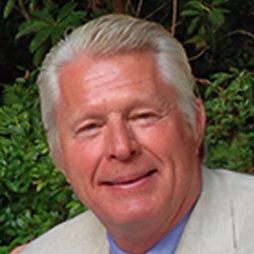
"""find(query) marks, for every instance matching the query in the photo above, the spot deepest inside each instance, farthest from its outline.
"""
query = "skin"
(18, 249)
(126, 147)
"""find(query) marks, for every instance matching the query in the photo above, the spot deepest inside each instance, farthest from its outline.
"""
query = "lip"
(130, 181)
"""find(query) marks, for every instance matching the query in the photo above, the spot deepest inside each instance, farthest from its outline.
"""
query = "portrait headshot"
(126, 127)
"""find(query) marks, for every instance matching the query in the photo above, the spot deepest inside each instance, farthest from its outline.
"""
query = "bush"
(33, 193)
(219, 39)
(230, 112)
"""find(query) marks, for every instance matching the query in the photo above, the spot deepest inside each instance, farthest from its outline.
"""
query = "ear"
(60, 164)
(200, 119)
(57, 157)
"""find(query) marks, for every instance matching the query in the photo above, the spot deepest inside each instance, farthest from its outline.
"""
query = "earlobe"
(58, 161)
(56, 156)
(64, 171)
(200, 124)
(62, 168)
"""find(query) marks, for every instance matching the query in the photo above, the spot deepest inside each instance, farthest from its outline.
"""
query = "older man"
(126, 129)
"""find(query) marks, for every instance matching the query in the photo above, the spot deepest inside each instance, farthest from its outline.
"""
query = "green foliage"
(218, 35)
(8, 8)
(230, 111)
(204, 20)
(48, 26)
(33, 193)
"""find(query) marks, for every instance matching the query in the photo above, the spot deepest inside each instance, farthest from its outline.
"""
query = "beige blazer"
(222, 222)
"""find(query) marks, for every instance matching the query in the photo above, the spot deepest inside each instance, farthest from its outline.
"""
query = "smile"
(128, 181)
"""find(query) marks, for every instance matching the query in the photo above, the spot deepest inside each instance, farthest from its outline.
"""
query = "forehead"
(93, 65)
(90, 79)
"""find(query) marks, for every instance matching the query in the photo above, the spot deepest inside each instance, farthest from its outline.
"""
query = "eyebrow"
(95, 111)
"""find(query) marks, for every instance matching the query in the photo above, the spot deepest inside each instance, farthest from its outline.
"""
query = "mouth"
(127, 181)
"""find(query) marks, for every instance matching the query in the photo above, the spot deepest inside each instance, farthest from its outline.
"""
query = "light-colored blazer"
(222, 222)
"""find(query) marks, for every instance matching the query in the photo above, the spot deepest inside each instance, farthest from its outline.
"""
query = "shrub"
(33, 193)
(230, 112)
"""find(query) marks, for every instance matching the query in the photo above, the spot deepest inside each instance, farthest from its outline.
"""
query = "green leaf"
(190, 13)
(43, 16)
(194, 24)
(57, 34)
(198, 40)
(218, 2)
(216, 16)
(66, 10)
(221, 77)
(74, 19)
(49, 5)
(196, 5)
(31, 27)
(40, 53)
(39, 39)
(8, 8)
(211, 37)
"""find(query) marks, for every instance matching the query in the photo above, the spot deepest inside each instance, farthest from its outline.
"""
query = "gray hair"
(112, 34)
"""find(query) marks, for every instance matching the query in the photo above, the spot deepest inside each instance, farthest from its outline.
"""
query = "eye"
(90, 128)
(145, 117)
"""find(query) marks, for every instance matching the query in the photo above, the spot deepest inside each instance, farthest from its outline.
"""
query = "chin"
(131, 214)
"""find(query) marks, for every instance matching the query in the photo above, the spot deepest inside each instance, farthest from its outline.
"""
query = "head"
(126, 34)
(124, 125)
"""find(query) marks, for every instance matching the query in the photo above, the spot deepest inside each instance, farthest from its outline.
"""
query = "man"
(126, 129)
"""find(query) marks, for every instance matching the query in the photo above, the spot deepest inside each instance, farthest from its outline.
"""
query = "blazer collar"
(210, 228)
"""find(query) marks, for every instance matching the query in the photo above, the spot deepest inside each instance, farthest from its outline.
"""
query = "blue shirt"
(166, 246)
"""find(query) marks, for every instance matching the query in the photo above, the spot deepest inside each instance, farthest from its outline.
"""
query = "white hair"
(112, 34)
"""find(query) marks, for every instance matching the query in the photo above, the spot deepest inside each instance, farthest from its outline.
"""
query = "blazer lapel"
(210, 228)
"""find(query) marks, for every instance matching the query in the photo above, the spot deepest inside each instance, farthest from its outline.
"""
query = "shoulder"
(82, 234)
(237, 187)
(235, 182)
(236, 190)
(222, 215)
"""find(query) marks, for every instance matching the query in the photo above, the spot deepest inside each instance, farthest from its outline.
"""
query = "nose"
(121, 143)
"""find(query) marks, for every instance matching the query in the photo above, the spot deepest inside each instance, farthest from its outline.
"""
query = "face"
(127, 149)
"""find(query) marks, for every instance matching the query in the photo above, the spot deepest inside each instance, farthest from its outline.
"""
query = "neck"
(140, 236)
(138, 239)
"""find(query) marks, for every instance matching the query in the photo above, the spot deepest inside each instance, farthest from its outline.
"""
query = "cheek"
(80, 170)
(79, 160)
(170, 142)
(162, 137)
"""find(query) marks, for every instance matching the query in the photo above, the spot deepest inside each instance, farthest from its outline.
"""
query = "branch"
(156, 10)
(92, 5)
(202, 81)
(140, 3)
(129, 5)
(174, 17)
(23, 10)
(237, 31)
(199, 54)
